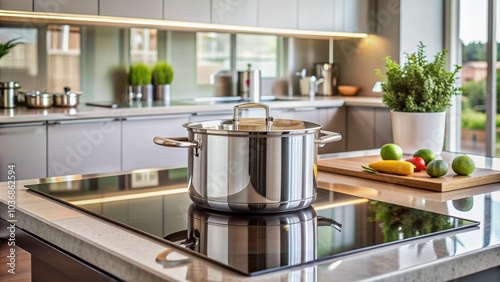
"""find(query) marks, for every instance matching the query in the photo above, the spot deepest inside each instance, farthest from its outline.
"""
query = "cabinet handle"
(157, 117)
(304, 109)
(79, 121)
(23, 124)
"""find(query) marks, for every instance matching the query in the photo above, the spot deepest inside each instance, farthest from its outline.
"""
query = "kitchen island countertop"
(131, 256)
(22, 114)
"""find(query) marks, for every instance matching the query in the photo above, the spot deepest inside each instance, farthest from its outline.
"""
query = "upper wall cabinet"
(278, 13)
(18, 5)
(234, 12)
(320, 15)
(88, 7)
(147, 9)
(337, 15)
(360, 14)
(187, 10)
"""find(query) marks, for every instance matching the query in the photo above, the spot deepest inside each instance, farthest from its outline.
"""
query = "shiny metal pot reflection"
(253, 165)
(253, 242)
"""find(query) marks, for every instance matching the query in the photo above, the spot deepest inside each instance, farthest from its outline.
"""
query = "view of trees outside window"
(473, 35)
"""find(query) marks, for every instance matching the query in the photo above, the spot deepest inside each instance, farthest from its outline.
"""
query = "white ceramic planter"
(414, 131)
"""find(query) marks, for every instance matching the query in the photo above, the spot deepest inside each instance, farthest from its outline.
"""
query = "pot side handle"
(329, 137)
(325, 221)
(179, 142)
(162, 259)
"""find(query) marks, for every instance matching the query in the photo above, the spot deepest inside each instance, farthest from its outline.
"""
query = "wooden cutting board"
(449, 182)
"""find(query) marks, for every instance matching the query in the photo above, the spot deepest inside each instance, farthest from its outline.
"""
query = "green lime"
(391, 151)
(426, 154)
(463, 165)
(464, 204)
(437, 168)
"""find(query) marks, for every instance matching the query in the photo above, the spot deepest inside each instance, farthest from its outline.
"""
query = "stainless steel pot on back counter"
(252, 164)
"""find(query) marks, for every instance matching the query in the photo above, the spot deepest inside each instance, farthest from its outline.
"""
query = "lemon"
(426, 154)
(437, 168)
(391, 151)
(463, 165)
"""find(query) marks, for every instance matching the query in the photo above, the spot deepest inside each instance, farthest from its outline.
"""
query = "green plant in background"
(418, 85)
(139, 74)
(7, 46)
(162, 73)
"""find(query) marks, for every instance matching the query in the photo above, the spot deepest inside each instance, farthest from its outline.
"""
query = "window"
(143, 45)
(261, 51)
(214, 54)
(474, 40)
(21, 63)
(63, 56)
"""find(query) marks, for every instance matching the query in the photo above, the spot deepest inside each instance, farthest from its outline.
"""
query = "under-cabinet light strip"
(36, 18)
(340, 204)
(128, 197)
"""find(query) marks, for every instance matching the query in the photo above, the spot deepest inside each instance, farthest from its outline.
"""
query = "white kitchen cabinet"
(83, 146)
(16, 5)
(23, 145)
(278, 13)
(334, 120)
(331, 119)
(319, 14)
(139, 151)
(360, 128)
(368, 128)
(187, 10)
(148, 9)
(383, 127)
(87, 7)
(359, 14)
(234, 12)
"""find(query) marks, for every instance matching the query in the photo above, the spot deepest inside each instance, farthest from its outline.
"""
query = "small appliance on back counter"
(329, 73)
(320, 80)
(8, 92)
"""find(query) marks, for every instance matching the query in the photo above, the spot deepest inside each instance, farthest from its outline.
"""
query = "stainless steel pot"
(252, 165)
(38, 99)
(66, 99)
(8, 93)
(253, 242)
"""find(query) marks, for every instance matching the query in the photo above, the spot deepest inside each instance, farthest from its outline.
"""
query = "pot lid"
(36, 93)
(67, 91)
(246, 125)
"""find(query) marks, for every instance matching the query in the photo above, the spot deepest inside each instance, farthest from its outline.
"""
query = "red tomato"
(418, 162)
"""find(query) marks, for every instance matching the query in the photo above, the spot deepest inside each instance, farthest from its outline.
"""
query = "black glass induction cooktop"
(156, 203)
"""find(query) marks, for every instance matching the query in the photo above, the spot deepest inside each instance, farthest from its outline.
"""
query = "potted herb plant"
(140, 77)
(163, 75)
(418, 93)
